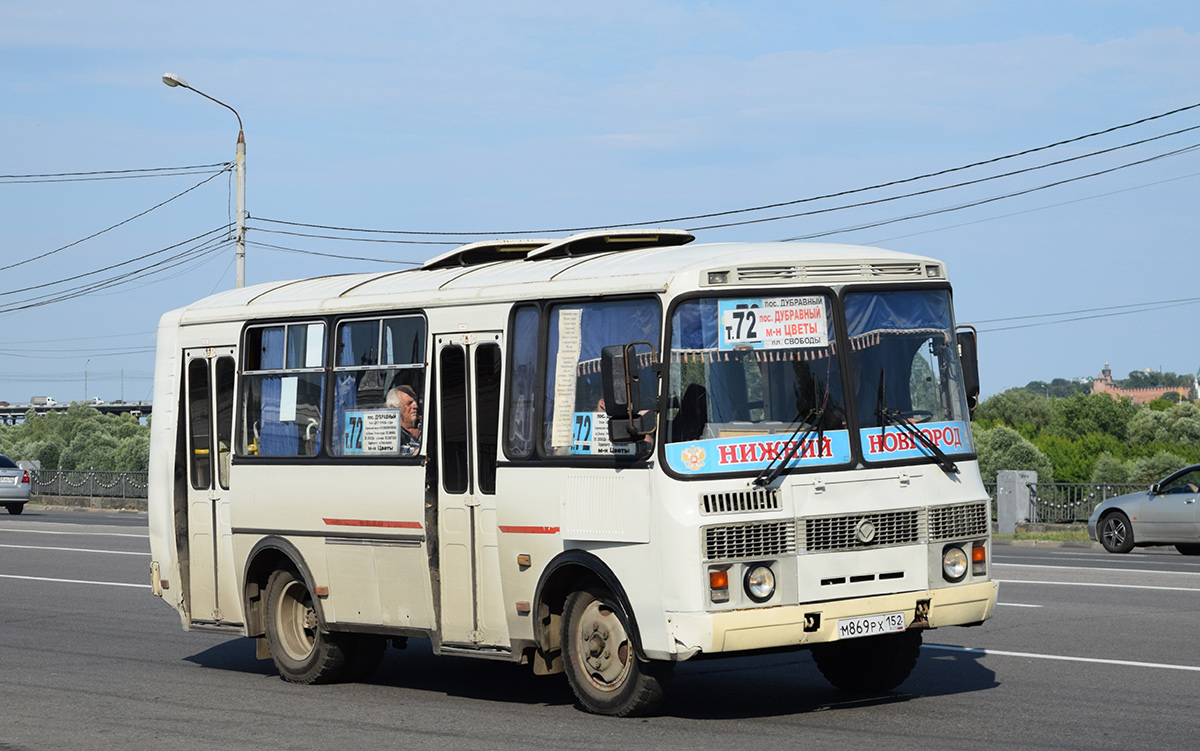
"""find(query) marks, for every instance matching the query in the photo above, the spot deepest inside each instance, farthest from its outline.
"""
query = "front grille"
(754, 540)
(963, 520)
(741, 500)
(767, 273)
(843, 532)
(895, 269)
(829, 272)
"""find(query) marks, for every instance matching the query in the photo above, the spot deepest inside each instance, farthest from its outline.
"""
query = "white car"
(1166, 514)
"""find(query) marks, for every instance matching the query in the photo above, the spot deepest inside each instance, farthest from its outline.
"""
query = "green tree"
(1093, 413)
(1155, 468)
(1017, 408)
(1074, 459)
(80, 438)
(1110, 469)
(1003, 448)
(1140, 379)
(1059, 388)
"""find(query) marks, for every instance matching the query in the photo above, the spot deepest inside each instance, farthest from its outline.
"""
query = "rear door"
(468, 400)
(208, 396)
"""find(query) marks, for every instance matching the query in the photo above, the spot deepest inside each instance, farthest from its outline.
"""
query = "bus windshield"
(752, 381)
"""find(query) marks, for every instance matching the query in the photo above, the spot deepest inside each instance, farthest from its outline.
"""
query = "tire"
(1116, 535)
(871, 664)
(600, 659)
(302, 653)
(364, 652)
(15, 508)
(1188, 548)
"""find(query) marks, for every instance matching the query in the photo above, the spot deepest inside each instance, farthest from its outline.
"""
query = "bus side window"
(377, 358)
(523, 380)
(283, 388)
(199, 422)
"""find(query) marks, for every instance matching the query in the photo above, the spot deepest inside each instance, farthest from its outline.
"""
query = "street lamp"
(173, 80)
(85, 367)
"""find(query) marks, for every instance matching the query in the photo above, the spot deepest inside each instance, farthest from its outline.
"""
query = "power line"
(208, 247)
(356, 239)
(1163, 306)
(332, 255)
(115, 172)
(1030, 211)
(109, 229)
(124, 174)
(959, 207)
(77, 338)
(112, 266)
(763, 207)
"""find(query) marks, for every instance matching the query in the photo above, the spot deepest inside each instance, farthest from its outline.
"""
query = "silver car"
(1166, 514)
(14, 485)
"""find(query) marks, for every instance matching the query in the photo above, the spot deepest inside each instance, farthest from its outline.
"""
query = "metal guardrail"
(88, 483)
(1066, 502)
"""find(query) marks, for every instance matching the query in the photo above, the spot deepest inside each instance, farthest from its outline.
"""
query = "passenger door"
(468, 402)
(1171, 515)
(208, 397)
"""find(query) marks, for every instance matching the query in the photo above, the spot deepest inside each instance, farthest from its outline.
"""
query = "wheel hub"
(604, 647)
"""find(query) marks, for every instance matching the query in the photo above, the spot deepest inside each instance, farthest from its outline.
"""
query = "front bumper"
(767, 628)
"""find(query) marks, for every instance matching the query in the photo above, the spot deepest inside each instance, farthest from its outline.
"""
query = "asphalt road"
(1087, 651)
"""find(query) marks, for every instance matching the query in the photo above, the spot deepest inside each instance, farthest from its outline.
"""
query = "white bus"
(599, 455)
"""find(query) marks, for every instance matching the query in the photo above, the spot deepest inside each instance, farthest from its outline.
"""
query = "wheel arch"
(566, 573)
(268, 555)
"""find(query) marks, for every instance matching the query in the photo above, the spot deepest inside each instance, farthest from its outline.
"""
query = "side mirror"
(629, 421)
(1155, 489)
(968, 357)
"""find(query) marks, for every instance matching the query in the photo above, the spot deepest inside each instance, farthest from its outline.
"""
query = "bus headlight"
(954, 563)
(760, 583)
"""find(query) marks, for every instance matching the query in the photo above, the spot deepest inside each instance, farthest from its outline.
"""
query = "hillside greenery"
(1083, 437)
(80, 438)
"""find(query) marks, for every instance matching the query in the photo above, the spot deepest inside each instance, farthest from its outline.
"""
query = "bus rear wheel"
(601, 662)
(870, 664)
(302, 653)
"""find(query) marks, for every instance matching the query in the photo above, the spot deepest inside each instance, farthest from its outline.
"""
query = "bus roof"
(463, 276)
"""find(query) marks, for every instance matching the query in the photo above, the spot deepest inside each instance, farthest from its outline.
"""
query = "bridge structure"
(11, 414)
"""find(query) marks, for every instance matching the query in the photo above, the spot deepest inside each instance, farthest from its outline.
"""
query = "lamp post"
(85, 367)
(173, 80)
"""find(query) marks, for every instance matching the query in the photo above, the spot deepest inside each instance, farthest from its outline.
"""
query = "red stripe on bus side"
(530, 530)
(371, 523)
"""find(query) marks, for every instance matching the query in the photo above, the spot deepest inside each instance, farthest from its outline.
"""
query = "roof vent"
(610, 240)
(485, 251)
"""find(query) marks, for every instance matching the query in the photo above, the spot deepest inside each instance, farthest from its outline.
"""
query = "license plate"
(852, 628)
(8, 481)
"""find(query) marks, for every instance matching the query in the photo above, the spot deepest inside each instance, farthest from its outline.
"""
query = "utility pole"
(170, 79)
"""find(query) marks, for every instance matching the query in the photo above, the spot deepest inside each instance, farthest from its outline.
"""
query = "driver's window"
(1189, 483)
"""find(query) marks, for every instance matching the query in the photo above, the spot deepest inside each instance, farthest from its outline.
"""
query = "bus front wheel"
(870, 664)
(600, 660)
(302, 653)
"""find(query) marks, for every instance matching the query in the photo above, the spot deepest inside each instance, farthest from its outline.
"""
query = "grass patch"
(1056, 535)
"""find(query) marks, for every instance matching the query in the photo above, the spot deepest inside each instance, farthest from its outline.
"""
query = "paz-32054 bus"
(599, 455)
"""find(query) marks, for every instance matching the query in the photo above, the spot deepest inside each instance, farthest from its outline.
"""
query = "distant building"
(1103, 384)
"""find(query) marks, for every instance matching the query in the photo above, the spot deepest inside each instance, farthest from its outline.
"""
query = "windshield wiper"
(897, 418)
(809, 423)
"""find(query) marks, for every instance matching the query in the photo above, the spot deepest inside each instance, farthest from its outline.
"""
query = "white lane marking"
(72, 581)
(1097, 584)
(1034, 655)
(1096, 568)
(73, 550)
(1018, 605)
(93, 534)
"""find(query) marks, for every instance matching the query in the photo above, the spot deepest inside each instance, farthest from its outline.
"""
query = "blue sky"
(483, 117)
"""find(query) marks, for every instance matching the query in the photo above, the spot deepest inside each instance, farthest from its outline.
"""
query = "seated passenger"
(405, 399)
